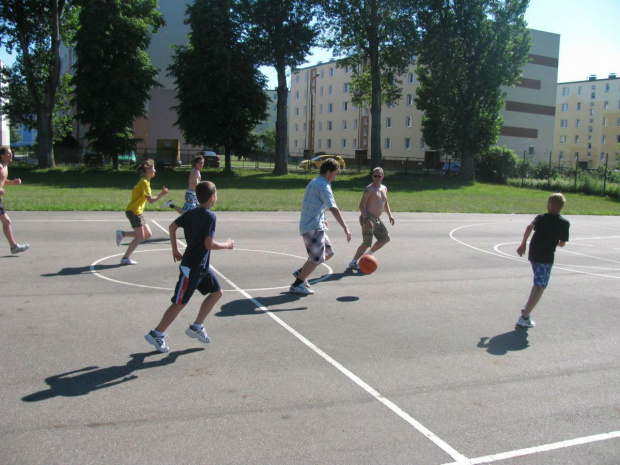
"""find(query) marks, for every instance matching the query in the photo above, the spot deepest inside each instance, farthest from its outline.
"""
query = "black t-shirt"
(548, 230)
(198, 224)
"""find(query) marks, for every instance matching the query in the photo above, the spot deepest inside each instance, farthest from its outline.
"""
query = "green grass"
(81, 189)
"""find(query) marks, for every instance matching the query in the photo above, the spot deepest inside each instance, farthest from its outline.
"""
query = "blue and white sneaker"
(198, 333)
(157, 341)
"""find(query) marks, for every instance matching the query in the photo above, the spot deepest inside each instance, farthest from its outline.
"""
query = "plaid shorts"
(191, 201)
(378, 230)
(542, 273)
(318, 246)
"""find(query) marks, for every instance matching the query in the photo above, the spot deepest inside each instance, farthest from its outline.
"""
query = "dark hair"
(4, 150)
(204, 191)
(196, 159)
(329, 164)
(146, 164)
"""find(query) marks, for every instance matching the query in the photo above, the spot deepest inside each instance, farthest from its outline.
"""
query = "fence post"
(576, 165)
(523, 170)
(605, 177)
(549, 173)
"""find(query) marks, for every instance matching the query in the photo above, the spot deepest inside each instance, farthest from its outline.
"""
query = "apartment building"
(587, 128)
(323, 119)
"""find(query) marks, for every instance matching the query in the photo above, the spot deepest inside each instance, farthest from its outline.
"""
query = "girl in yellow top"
(140, 195)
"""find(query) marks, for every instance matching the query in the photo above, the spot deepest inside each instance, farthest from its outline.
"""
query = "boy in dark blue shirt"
(199, 227)
(550, 230)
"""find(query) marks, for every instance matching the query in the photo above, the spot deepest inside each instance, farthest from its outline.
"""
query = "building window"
(561, 155)
(345, 87)
(321, 91)
(320, 125)
(606, 106)
(297, 78)
(296, 111)
(564, 123)
(407, 143)
(330, 108)
(344, 124)
(408, 121)
(330, 90)
(328, 144)
(578, 105)
(296, 127)
(593, 95)
(602, 156)
(562, 139)
(411, 78)
(329, 125)
(355, 123)
(421, 143)
(604, 139)
(320, 143)
(295, 143)
(354, 143)
(579, 90)
(578, 123)
(275, 97)
(565, 107)
(304, 129)
(297, 95)
(347, 69)
(576, 139)
(607, 87)
(388, 143)
(331, 71)
(343, 144)
(604, 122)
(564, 90)
(619, 122)
(409, 99)
(345, 106)
(388, 122)
(365, 130)
(322, 73)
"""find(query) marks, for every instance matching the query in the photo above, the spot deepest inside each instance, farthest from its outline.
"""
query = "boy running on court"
(191, 201)
(6, 157)
(199, 227)
(550, 230)
(374, 201)
(140, 195)
(312, 225)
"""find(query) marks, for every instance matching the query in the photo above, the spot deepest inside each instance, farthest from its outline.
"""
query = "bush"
(497, 164)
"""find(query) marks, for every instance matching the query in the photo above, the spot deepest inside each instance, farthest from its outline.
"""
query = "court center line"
(543, 448)
(457, 456)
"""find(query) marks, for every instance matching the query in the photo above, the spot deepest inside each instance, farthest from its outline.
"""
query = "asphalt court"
(418, 363)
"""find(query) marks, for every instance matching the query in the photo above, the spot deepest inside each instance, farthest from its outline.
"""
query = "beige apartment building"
(323, 119)
(587, 127)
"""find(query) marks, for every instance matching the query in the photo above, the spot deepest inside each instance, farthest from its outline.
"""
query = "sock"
(196, 327)
(157, 333)
(297, 282)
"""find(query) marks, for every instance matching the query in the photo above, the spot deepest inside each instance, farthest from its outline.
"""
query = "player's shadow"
(345, 274)
(74, 271)
(248, 307)
(504, 343)
(86, 380)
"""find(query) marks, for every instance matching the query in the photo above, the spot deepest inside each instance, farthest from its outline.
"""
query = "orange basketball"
(368, 264)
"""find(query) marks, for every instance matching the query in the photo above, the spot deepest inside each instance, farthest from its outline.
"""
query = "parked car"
(211, 159)
(128, 158)
(452, 168)
(317, 161)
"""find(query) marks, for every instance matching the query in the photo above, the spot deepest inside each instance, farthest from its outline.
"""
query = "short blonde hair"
(379, 170)
(557, 200)
(145, 165)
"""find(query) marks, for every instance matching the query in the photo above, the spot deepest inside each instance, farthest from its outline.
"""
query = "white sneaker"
(19, 248)
(128, 261)
(306, 283)
(168, 204)
(353, 265)
(199, 334)
(119, 237)
(301, 289)
(157, 341)
(529, 323)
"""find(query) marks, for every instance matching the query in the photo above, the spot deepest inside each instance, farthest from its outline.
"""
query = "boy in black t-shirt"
(550, 230)
(199, 227)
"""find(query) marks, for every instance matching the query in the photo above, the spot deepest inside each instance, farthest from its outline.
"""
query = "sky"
(589, 37)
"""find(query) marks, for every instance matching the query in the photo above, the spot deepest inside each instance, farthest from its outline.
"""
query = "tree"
(378, 39)
(469, 49)
(34, 29)
(496, 164)
(14, 135)
(113, 72)
(218, 85)
(280, 33)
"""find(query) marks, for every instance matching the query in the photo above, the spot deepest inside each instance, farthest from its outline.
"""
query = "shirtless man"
(5, 158)
(191, 201)
(374, 201)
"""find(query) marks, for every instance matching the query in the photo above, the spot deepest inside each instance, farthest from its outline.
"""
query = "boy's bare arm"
(172, 229)
(163, 192)
(212, 244)
(526, 235)
(387, 209)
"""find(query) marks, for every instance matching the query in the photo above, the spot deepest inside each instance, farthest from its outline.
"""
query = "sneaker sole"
(151, 341)
(195, 336)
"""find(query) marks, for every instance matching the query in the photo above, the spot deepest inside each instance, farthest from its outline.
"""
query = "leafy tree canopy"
(469, 49)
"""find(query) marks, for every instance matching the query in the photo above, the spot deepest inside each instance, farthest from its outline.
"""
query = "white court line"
(543, 448)
(460, 458)
(506, 256)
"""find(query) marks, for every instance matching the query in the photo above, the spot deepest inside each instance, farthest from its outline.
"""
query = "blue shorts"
(191, 201)
(542, 273)
(191, 279)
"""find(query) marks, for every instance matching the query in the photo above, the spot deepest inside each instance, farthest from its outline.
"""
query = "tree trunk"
(281, 156)
(227, 162)
(376, 159)
(45, 150)
(467, 166)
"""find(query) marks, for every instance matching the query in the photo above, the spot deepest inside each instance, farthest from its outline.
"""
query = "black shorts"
(191, 279)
